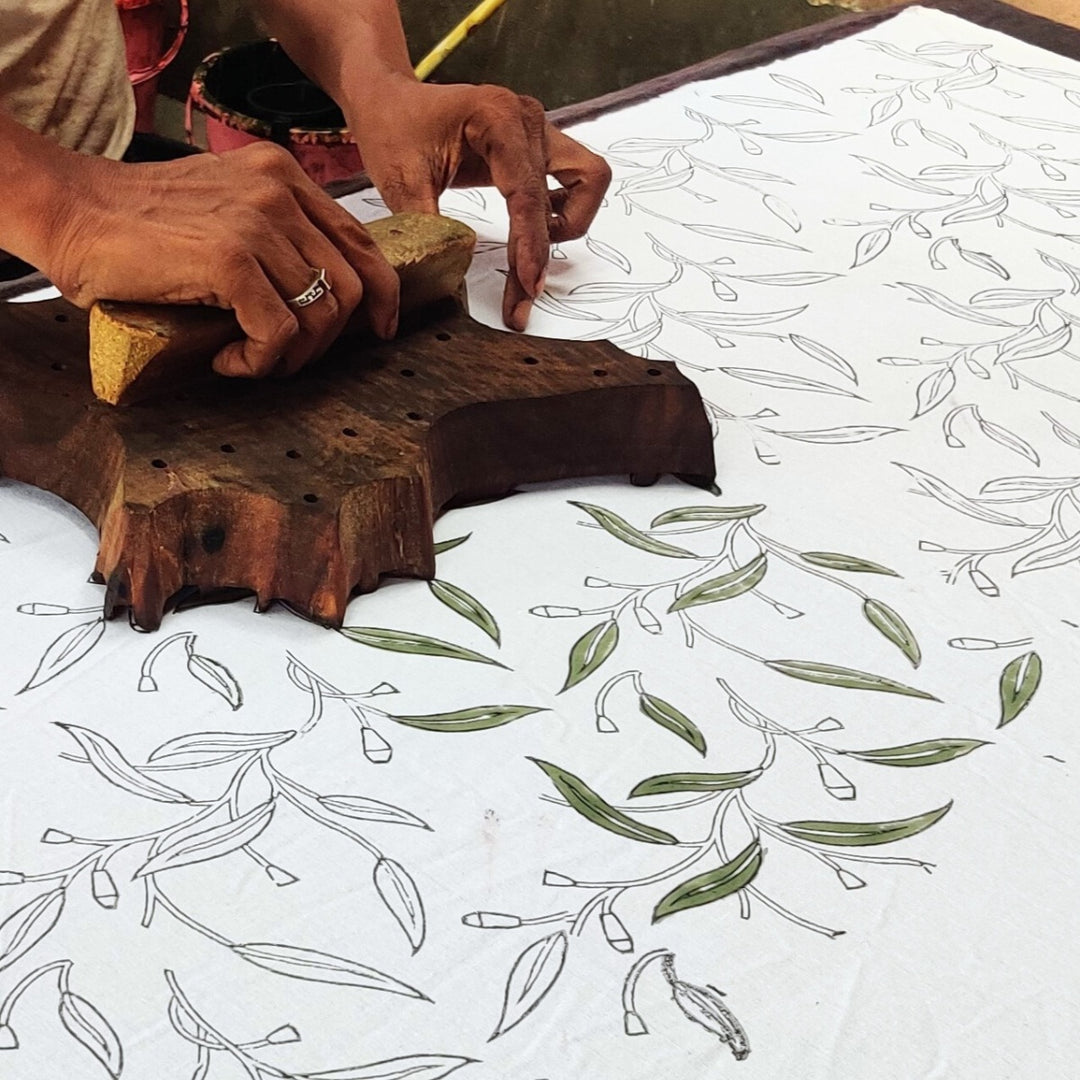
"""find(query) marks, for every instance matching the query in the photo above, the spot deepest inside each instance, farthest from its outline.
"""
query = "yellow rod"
(477, 17)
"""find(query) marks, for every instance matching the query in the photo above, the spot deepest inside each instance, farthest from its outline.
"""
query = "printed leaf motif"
(870, 246)
(66, 651)
(403, 641)
(796, 279)
(1044, 558)
(735, 320)
(892, 626)
(480, 718)
(217, 677)
(778, 380)
(833, 560)
(863, 833)
(590, 651)
(952, 498)
(887, 172)
(534, 973)
(414, 1067)
(884, 109)
(1066, 435)
(606, 251)
(314, 966)
(785, 212)
(667, 716)
(27, 925)
(467, 606)
(114, 767)
(713, 884)
(959, 311)
(798, 86)
(741, 236)
(725, 587)
(1018, 684)
(930, 752)
(365, 809)
(448, 545)
(1009, 439)
(853, 433)
(624, 531)
(707, 513)
(933, 390)
(764, 103)
(1008, 298)
(202, 844)
(1043, 345)
(824, 355)
(89, 1028)
(848, 678)
(212, 743)
(674, 783)
(597, 810)
(399, 893)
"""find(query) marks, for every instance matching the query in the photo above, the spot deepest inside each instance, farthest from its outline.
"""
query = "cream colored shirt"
(63, 72)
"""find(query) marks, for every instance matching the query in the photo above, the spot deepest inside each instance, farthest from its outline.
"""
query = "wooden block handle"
(139, 349)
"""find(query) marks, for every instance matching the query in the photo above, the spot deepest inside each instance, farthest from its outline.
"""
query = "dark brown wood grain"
(310, 489)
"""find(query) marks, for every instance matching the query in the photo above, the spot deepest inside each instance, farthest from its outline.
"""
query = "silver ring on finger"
(319, 288)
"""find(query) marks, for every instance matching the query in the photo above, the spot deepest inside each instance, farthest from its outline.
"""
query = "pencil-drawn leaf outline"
(824, 355)
(780, 381)
(933, 390)
(950, 497)
(608, 253)
(533, 975)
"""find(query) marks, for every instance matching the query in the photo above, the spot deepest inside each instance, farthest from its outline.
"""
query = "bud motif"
(491, 920)
(376, 749)
(279, 876)
(618, 937)
(634, 1025)
(550, 611)
(103, 889)
(8, 1039)
(56, 836)
(835, 782)
(552, 877)
(284, 1034)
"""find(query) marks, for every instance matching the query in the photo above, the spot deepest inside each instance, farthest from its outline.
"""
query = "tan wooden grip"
(138, 349)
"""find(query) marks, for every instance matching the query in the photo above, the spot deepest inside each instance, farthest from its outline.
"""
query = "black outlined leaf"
(713, 884)
(604, 292)
(607, 252)
(466, 605)
(590, 651)
(1007, 298)
(833, 560)
(534, 973)
(399, 893)
(779, 381)
(403, 641)
(943, 303)
(27, 925)
(662, 181)
(863, 833)
(734, 320)
(871, 245)
(552, 306)
(764, 103)
(622, 530)
(1018, 684)
(794, 279)
(596, 809)
(979, 211)
(933, 390)
(1043, 125)
(675, 783)
(887, 172)
(1041, 345)
(884, 109)
(725, 587)
(707, 513)
(824, 355)
(892, 626)
(66, 651)
(805, 136)
(646, 145)
(1009, 439)
(314, 966)
(678, 723)
(984, 262)
(217, 677)
(195, 845)
(1067, 436)
(844, 677)
(950, 497)
(481, 718)
(114, 767)
(89, 1028)
(917, 754)
(741, 236)
(943, 141)
(413, 1067)
(202, 743)
(448, 545)
(364, 809)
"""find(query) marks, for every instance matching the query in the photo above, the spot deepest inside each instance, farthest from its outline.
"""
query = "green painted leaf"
(590, 805)
(707, 513)
(863, 833)
(672, 783)
(930, 752)
(480, 718)
(831, 560)
(1019, 681)
(403, 641)
(667, 716)
(590, 651)
(624, 531)
(467, 606)
(848, 678)
(448, 545)
(725, 587)
(713, 884)
(892, 626)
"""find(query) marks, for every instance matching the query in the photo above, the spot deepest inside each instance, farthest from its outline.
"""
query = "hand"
(417, 140)
(246, 230)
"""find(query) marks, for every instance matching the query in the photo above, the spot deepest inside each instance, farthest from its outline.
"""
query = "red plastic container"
(144, 23)
(254, 91)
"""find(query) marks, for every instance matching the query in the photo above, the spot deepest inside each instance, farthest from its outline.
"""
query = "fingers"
(585, 178)
(507, 132)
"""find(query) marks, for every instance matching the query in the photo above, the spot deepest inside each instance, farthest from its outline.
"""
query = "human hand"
(416, 140)
(245, 230)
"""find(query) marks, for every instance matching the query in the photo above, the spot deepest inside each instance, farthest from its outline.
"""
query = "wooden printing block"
(309, 490)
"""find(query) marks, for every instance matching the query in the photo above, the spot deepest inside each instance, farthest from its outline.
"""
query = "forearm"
(351, 48)
(37, 177)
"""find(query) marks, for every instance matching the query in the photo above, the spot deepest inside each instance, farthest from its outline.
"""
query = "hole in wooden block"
(529, 360)
(599, 372)
(408, 372)
(60, 318)
(414, 416)
(442, 336)
(654, 371)
(349, 432)
(294, 454)
(228, 448)
(159, 464)
(310, 498)
(57, 366)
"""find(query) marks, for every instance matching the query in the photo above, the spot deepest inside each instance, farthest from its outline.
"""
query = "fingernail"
(390, 327)
(519, 318)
